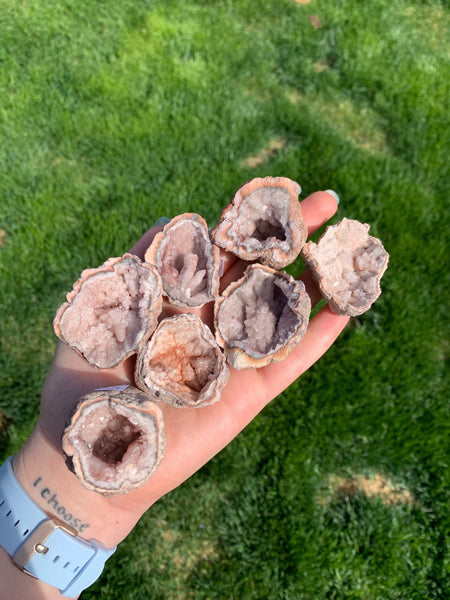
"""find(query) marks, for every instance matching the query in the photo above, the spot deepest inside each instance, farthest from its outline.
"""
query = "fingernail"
(161, 221)
(335, 196)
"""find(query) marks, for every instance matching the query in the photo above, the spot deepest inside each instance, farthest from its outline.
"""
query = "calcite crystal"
(347, 264)
(187, 261)
(111, 310)
(182, 363)
(264, 222)
(114, 440)
(261, 317)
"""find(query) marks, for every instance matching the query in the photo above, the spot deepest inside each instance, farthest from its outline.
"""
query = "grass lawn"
(113, 113)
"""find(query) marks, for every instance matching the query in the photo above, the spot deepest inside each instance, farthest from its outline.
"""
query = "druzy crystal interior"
(182, 363)
(186, 260)
(114, 440)
(116, 437)
(111, 310)
(261, 317)
(347, 264)
(264, 222)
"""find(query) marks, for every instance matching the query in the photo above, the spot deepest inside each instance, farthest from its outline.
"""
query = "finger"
(246, 394)
(250, 390)
(144, 242)
(234, 272)
(322, 331)
(317, 209)
(311, 287)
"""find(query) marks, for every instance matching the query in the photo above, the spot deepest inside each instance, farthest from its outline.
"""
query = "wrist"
(40, 469)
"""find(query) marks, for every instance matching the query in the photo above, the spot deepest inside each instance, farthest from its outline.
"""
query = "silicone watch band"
(44, 547)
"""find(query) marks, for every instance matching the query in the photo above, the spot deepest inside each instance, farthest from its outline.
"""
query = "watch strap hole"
(45, 547)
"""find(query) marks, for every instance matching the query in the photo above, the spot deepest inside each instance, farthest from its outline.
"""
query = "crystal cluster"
(115, 439)
(347, 264)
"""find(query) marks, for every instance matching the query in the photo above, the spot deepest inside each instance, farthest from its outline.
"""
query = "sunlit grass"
(112, 114)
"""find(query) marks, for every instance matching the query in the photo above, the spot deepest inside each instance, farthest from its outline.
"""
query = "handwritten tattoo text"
(52, 500)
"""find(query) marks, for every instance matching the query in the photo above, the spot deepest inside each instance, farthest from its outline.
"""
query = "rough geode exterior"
(187, 261)
(261, 317)
(264, 222)
(111, 310)
(114, 440)
(347, 264)
(182, 364)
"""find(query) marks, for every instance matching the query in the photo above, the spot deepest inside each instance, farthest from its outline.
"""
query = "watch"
(43, 546)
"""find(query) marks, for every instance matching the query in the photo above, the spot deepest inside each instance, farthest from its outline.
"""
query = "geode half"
(182, 364)
(264, 222)
(114, 440)
(187, 261)
(111, 310)
(261, 317)
(347, 264)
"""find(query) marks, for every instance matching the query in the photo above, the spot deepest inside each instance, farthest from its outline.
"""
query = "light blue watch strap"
(45, 547)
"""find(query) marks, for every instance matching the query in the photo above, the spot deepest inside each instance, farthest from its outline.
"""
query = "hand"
(212, 427)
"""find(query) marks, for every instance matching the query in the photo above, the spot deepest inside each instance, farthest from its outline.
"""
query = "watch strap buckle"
(35, 543)
(43, 546)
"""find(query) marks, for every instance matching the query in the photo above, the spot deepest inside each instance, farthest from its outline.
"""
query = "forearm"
(42, 472)
(16, 585)
(40, 469)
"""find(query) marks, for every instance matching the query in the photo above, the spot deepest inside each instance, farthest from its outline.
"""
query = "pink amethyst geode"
(114, 440)
(261, 317)
(111, 311)
(347, 264)
(264, 222)
(186, 260)
(182, 364)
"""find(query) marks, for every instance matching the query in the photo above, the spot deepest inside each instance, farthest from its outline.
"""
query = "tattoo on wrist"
(52, 500)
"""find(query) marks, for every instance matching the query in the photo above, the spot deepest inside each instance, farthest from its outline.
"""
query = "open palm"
(195, 435)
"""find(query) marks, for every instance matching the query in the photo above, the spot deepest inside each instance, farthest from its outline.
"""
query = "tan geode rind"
(264, 222)
(114, 440)
(182, 363)
(111, 310)
(347, 264)
(261, 317)
(187, 261)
